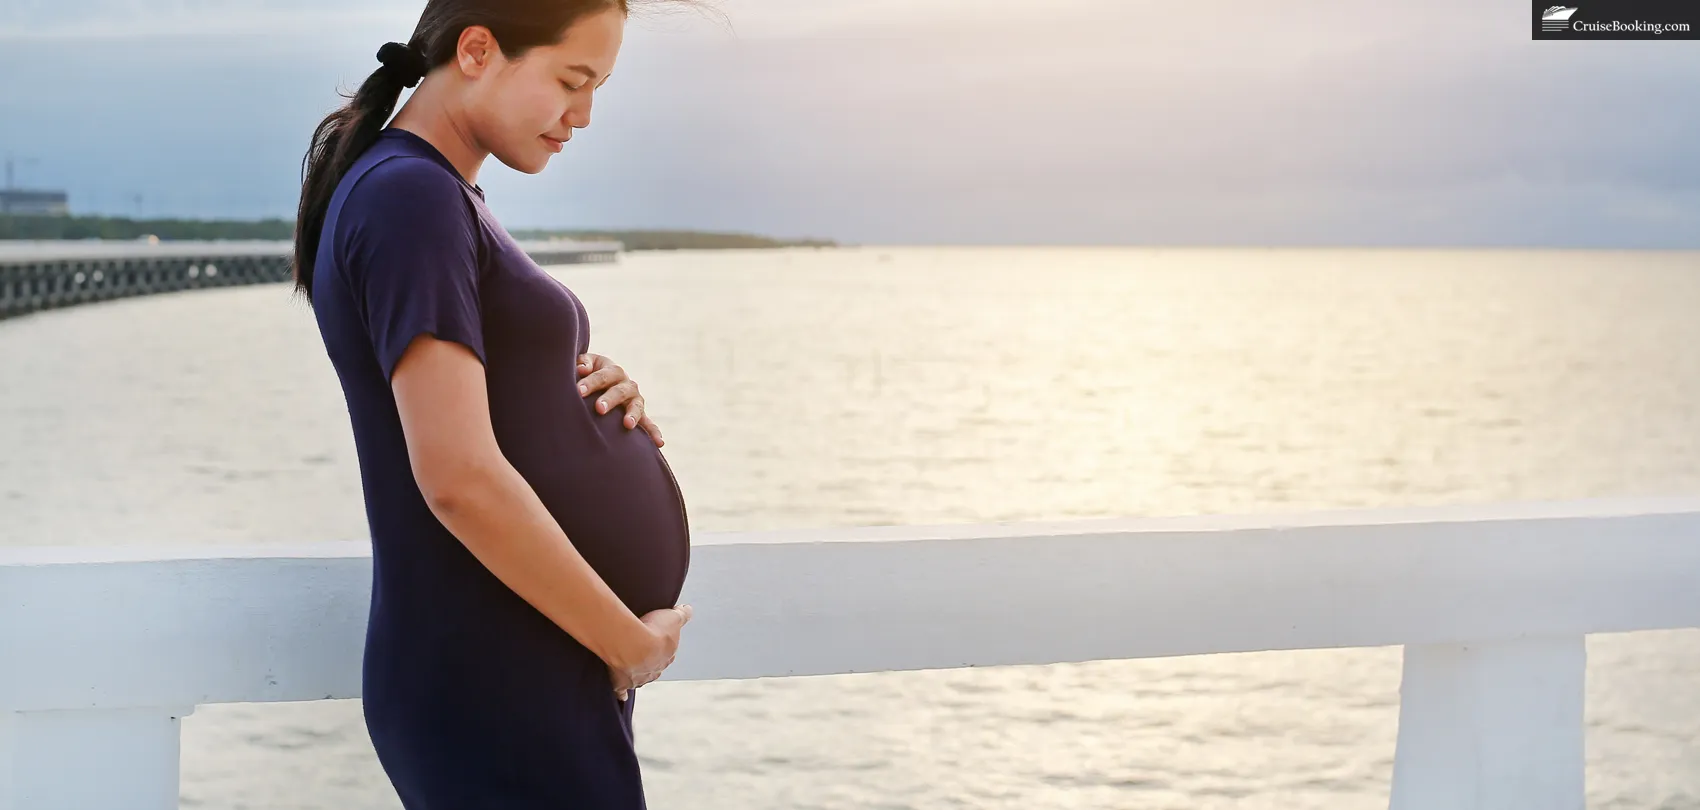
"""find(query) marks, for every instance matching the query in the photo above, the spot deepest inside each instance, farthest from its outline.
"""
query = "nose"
(578, 113)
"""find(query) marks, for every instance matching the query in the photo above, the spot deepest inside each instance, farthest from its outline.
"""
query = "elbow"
(453, 494)
(444, 500)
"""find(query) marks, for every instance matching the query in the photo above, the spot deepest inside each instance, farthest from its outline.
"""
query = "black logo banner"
(1617, 19)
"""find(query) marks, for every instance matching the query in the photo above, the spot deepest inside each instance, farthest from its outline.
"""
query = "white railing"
(101, 651)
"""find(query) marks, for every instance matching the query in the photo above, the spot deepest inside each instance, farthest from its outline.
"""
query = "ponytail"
(339, 140)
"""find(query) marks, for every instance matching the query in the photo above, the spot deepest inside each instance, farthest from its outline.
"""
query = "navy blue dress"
(473, 698)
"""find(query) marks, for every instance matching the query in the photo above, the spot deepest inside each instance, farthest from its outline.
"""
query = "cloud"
(1082, 121)
(1245, 128)
(61, 20)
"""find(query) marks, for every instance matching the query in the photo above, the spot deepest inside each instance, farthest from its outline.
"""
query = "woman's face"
(522, 111)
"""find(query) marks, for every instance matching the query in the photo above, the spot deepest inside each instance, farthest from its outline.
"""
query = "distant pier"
(44, 275)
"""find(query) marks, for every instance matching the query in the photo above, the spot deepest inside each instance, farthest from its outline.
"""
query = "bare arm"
(479, 496)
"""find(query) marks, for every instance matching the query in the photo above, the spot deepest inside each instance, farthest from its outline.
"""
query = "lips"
(553, 144)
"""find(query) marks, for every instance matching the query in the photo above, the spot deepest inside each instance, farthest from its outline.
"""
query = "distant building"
(37, 203)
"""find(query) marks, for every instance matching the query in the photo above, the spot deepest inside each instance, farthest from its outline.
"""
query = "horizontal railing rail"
(102, 650)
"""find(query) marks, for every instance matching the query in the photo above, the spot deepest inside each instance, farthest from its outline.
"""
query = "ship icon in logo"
(1557, 18)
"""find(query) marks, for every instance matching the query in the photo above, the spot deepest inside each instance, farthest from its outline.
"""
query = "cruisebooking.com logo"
(1647, 19)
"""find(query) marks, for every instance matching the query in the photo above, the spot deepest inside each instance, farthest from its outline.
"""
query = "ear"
(476, 50)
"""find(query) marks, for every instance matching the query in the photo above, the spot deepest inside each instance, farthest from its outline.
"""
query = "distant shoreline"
(54, 228)
(673, 240)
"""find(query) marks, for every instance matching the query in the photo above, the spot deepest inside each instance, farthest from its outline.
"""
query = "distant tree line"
(14, 226)
(17, 226)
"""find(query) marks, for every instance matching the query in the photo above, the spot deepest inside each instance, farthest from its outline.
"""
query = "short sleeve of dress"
(413, 255)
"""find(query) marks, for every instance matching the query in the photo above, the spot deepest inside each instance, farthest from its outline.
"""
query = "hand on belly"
(614, 388)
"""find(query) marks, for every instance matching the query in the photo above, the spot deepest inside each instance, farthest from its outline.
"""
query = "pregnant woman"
(528, 543)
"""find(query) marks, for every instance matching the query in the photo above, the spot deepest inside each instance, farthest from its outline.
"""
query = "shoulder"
(408, 182)
(408, 208)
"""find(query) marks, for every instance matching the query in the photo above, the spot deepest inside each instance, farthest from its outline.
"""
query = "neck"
(428, 114)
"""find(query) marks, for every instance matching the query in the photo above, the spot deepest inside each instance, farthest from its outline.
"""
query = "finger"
(604, 377)
(685, 613)
(593, 360)
(634, 412)
(616, 395)
(653, 431)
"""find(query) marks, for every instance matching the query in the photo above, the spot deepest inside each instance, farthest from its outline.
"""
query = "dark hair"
(519, 25)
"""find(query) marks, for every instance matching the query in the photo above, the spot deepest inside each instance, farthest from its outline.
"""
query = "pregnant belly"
(619, 504)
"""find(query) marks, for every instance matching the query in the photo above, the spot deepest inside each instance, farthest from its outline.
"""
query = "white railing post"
(1491, 727)
(90, 759)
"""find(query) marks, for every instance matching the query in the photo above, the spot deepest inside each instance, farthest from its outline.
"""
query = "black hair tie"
(405, 62)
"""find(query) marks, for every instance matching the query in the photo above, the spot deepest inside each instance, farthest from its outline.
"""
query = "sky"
(1308, 122)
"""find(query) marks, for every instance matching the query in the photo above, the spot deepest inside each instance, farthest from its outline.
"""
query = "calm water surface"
(868, 387)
